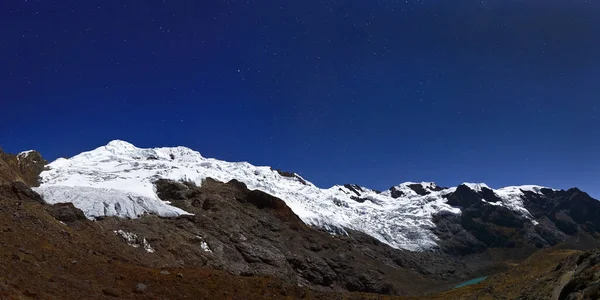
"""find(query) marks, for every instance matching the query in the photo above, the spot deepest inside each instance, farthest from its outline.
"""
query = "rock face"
(24, 167)
(31, 164)
(19, 191)
(558, 216)
(66, 212)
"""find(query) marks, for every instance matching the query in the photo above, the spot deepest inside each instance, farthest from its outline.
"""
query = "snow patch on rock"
(512, 198)
(134, 240)
(24, 154)
(203, 245)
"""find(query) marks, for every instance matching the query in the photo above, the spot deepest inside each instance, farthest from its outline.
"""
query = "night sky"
(504, 92)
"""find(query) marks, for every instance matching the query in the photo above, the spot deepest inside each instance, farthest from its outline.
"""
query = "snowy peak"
(119, 144)
(118, 149)
(118, 180)
(523, 188)
(413, 189)
(505, 192)
(477, 187)
(353, 188)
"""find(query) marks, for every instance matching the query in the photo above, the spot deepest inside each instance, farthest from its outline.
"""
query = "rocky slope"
(44, 258)
(252, 233)
(579, 279)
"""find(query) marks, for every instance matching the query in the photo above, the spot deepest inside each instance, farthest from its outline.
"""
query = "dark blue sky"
(369, 92)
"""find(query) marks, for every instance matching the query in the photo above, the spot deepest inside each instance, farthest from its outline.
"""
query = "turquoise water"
(472, 281)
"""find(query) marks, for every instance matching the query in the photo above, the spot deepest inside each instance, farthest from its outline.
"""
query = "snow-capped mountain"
(118, 180)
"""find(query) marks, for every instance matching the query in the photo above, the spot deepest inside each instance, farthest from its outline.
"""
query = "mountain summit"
(119, 180)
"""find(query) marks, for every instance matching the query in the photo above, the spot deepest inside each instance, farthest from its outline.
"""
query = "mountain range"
(176, 209)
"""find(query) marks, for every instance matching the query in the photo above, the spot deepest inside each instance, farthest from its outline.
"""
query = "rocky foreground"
(246, 244)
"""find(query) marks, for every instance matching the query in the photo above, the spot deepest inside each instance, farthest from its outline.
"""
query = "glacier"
(118, 180)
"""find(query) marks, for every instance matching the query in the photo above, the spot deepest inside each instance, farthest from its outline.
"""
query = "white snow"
(24, 154)
(512, 198)
(117, 180)
(476, 186)
(100, 202)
